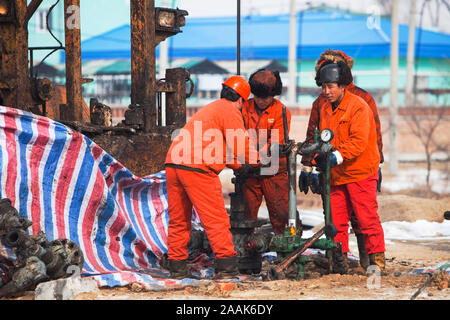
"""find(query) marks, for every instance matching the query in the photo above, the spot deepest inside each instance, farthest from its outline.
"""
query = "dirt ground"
(397, 284)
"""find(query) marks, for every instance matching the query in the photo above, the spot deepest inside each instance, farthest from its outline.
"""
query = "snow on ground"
(415, 178)
(393, 230)
(417, 230)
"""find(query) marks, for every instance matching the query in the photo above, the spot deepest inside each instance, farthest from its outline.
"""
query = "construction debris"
(33, 259)
(65, 289)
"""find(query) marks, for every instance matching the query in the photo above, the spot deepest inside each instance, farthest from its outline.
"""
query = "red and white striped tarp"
(70, 188)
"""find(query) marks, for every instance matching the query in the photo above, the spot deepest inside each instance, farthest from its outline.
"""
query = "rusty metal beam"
(73, 60)
(143, 61)
(31, 9)
(176, 100)
(165, 87)
(14, 61)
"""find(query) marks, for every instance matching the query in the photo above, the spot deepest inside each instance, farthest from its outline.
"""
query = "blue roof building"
(267, 37)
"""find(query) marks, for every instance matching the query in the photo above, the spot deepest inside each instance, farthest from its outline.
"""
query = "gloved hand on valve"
(320, 160)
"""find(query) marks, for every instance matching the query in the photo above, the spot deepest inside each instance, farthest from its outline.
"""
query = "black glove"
(314, 182)
(247, 170)
(320, 160)
(380, 177)
(303, 179)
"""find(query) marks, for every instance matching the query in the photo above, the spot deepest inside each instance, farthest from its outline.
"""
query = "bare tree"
(424, 127)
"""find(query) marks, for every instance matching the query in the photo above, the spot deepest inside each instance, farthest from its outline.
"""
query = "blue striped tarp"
(70, 188)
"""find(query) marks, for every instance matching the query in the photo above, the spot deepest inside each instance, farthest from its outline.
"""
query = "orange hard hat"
(238, 84)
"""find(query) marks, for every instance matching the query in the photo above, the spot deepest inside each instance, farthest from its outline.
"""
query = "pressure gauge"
(326, 135)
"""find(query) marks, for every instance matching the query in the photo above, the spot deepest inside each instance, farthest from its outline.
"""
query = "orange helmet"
(238, 84)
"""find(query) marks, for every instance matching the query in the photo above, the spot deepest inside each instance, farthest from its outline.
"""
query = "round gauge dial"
(326, 135)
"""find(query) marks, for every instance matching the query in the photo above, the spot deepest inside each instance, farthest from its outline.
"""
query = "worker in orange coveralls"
(263, 114)
(308, 177)
(194, 160)
(355, 161)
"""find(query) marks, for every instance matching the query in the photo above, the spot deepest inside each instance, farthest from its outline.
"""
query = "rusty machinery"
(250, 237)
(34, 259)
(140, 142)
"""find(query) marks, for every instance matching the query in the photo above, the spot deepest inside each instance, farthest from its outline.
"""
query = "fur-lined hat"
(265, 83)
(335, 56)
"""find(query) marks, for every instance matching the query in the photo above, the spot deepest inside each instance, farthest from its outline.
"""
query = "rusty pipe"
(31, 9)
(143, 60)
(73, 60)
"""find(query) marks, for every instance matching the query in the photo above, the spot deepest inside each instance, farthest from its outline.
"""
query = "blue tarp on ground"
(267, 37)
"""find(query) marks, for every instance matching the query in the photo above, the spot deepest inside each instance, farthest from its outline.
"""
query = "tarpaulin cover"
(70, 188)
(442, 266)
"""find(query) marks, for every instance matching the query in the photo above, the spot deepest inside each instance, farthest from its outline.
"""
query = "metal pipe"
(31, 9)
(327, 190)
(410, 56)
(393, 109)
(292, 55)
(292, 178)
(238, 53)
(292, 175)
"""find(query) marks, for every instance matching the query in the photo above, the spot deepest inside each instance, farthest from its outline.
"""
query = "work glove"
(320, 160)
(380, 177)
(314, 182)
(245, 170)
(303, 179)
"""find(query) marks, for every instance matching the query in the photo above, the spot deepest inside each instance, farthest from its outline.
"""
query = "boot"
(226, 268)
(339, 260)
(178, 269)
(363, 256)
(378, 259)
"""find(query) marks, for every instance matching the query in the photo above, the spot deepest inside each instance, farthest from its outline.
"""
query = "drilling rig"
(140, 142)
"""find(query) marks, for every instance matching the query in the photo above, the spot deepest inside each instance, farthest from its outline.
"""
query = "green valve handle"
(316, 135)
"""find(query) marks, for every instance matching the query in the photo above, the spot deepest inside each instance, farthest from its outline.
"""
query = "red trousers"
(186, 189)
(275, 190)
(361, 198)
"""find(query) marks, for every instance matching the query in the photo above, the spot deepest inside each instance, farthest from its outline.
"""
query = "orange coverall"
(353, 182)
(274, 188)
(192, 177)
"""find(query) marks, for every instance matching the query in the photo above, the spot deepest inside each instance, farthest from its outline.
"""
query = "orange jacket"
(213, 138)
(355, 137)
(270, 119)
(321, 100)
